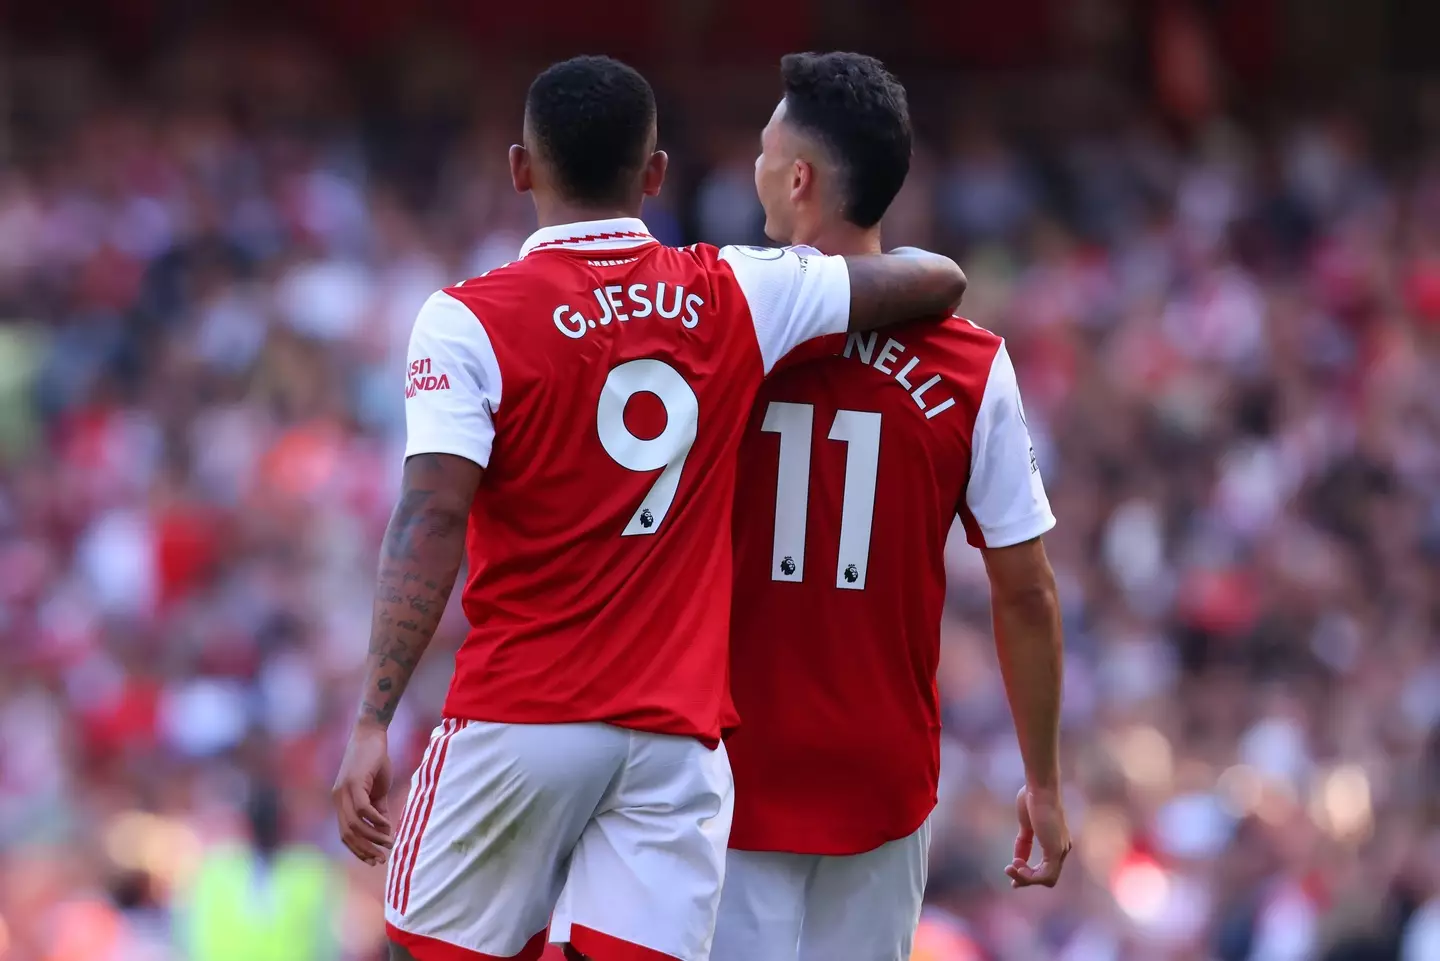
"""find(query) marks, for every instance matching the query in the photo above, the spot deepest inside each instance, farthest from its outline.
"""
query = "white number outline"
(666, 452)
(859, 430)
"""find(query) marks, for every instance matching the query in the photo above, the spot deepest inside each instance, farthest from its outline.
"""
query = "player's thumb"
(1049, 871)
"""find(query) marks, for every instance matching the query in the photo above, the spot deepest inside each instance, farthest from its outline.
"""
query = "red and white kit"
(852, 471)
(603, 381)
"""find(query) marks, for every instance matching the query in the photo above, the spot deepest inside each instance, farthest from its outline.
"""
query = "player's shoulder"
(449, 317)
(524, 270)
(964, 329)
(739, 256)
(955, 346)
(961, 336)
(513, 286)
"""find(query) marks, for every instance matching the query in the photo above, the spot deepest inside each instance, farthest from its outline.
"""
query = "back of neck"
(843, 238)
(551, 212)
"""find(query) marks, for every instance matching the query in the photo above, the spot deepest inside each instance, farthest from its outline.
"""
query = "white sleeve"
(793, 296)
(1005, 494)
(452, 383)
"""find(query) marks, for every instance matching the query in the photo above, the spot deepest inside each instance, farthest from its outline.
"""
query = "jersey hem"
(831, 849)
(460, 714)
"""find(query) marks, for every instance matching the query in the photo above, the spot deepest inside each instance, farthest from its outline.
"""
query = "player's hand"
(1042, 818)
(361, 792)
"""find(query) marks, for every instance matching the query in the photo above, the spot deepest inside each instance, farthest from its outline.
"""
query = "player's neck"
(841, 238)
(551, 212)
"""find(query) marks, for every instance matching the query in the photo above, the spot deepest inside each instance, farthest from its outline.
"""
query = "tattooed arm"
(419, 560)
(906, 284)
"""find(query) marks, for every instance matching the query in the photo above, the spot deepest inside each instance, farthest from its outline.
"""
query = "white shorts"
(620, 835)
(810, 907)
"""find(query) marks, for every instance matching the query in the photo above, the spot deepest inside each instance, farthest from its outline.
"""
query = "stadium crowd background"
(1225, 314)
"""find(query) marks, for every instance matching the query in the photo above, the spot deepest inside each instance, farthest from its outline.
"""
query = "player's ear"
(655, 169)
(802, 180)
(520, 169)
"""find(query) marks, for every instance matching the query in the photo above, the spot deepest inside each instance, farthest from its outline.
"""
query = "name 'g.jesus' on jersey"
(852, 471)
(603, 381)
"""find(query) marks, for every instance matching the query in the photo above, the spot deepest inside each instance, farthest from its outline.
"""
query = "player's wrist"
(1044, 787)
(369, 723)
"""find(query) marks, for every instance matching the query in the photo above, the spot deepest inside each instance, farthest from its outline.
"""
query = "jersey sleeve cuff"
(1020, 531)
(477, 452)
(835, 288)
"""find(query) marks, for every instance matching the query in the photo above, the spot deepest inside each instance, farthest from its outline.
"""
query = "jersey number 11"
(859, 430)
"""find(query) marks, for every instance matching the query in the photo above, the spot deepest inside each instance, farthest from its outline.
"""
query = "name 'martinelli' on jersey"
(618, 302)
(861, 347)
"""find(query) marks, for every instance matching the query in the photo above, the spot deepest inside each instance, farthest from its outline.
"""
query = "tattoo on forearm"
(419, 560)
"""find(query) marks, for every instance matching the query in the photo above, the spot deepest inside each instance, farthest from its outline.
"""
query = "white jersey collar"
(618, 233)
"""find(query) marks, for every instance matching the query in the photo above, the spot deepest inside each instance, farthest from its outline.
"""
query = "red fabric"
(571, 620)
(599, 946)
(838, 749)
(433, 949)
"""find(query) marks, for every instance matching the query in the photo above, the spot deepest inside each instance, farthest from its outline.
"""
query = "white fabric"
(1005, 494)
(650, 865)
(793, 296)
(809, 907)
(618, 233)
(452, 383)
(624, 830)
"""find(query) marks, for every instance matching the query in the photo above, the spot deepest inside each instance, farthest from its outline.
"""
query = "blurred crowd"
(1228, 339)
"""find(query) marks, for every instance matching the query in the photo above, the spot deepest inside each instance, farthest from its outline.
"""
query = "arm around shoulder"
(907, 284)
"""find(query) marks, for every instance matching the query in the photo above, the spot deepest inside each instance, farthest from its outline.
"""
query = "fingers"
(365, 831)
(1022, 875)
(373, 818)
(1025, 839)
(1045, 876)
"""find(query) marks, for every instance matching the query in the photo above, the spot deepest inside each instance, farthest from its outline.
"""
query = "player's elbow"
(437, 492)
(1021, 580)
(959, 283)
(1036, 601)
(948, 281)
(447, 517)
(429, 516)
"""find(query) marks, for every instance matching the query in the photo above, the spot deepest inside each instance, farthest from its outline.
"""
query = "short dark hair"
(591, 118)
(860, 113)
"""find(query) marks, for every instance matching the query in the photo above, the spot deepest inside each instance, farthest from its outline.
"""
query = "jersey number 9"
(666, 452)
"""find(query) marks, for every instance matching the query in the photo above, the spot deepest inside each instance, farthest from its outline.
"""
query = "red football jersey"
(603, 381)
(851, 473)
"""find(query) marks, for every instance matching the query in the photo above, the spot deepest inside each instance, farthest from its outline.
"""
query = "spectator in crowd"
(263, 900)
